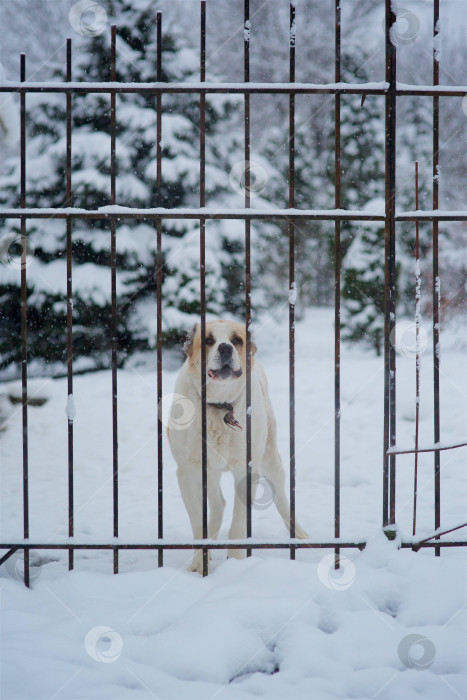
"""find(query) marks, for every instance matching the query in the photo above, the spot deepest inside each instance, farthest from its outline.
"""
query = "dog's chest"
(218, 432)
(223, 441)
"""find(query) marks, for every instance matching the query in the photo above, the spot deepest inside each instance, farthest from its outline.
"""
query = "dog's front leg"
(190, 484)
(216, 504)
(238, 528)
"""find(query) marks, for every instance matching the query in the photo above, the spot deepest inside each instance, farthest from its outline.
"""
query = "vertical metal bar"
(392, 308)
(160, 513)
(389, 470)
(246, 78)
(113, 268)
(417, 355)
(292, 289)
(436, 280)
(202, 226)
(24, 320)
(337, 284)
(69, 304)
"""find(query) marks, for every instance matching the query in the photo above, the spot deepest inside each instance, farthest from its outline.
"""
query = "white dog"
(226, 440)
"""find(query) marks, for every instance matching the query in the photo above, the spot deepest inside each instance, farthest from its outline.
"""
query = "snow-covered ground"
(259, 627)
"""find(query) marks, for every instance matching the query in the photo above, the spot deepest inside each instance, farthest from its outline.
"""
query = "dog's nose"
(225, 351)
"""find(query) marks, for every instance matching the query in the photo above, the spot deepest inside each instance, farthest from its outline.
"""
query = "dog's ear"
(253, 348)
(188, 344)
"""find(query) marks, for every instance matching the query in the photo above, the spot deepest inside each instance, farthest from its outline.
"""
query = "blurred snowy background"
(40, 27)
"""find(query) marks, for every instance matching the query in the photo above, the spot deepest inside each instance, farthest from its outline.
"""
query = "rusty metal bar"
(292, 284)
(389, 352)
(415, 547)
(337, 284)
(246, 77)
(69, 303)
(432, 91)
(226, 214)
(436, 279)
(24, 319)
(387, 324)
(113, 268)
(430, 216)
(202, 243)
(441, 448)
(392, 103)
(417, 356)
(160, 493)
(439, 534)
(194, 88)
(216, 544)
(9, 554)
(237, 88)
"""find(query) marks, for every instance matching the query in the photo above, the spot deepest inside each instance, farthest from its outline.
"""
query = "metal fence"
(390, 91)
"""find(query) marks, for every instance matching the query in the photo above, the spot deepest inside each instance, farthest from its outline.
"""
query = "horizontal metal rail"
(119, 212)
(377, 88)
(214, 544)
(193, 544)
(197, 88)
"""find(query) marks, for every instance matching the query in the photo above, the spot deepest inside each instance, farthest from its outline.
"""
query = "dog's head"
(225, 350)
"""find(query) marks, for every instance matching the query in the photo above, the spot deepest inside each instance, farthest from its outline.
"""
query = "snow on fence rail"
(120, 212)
(390, 90)
(245, 88)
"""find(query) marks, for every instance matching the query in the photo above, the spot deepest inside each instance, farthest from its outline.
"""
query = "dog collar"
(229, 418)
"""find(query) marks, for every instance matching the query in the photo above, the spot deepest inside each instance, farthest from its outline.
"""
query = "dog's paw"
(236, 554)
(300, 533)
(197, 563)
(196, 567)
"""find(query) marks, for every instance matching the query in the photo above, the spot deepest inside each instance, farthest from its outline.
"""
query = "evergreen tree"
(313, 266)
(363, 288)
(362, 187)
(136, 187)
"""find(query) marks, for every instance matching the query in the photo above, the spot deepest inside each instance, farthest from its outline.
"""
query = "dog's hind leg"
(272, 469)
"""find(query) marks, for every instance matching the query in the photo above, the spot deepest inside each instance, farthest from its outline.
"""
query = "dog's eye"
(210, 340)
(237, 341)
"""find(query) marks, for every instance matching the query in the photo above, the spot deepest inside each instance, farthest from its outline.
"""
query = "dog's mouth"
(224, 372)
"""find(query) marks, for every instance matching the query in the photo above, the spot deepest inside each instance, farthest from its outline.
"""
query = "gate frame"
(391, 91)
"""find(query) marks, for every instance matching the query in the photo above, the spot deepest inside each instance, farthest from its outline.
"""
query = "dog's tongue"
(212, 375)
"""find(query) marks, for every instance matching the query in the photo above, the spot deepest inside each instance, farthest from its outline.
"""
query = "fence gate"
(391, 91)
